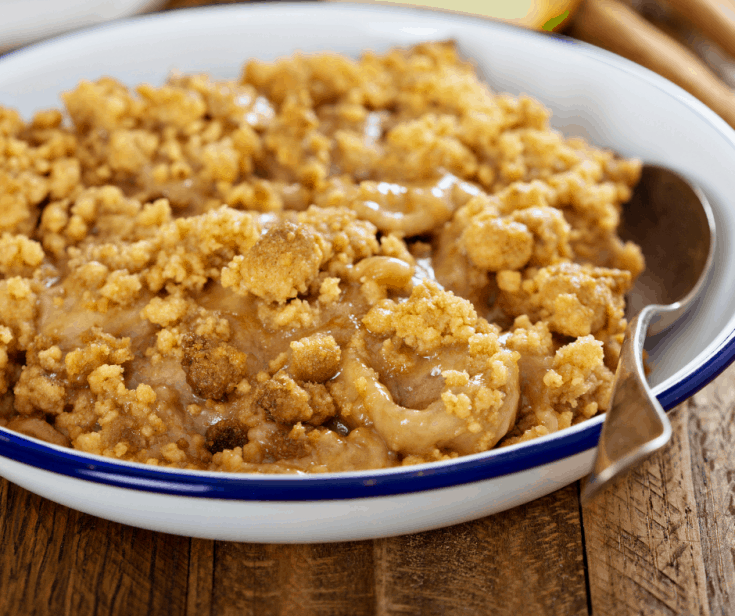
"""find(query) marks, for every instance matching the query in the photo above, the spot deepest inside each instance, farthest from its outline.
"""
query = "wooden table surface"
(660, 542)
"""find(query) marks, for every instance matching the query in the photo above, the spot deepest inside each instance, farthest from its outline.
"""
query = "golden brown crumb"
(291, 250)
(226, 434)
(315, 358)
(430, 318)
(289, 402)
(212, 368)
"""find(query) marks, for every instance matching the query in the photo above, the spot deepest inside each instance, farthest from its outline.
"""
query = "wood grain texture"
(498, 565)
(525, 561)
(294, 580)
(54, 560)
(711, 428)
(643, 542)
(662, 541)
(201, 578)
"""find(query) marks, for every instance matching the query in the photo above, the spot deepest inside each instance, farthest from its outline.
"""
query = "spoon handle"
(636, 424)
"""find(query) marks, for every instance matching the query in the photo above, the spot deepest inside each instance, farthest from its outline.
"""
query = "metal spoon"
(673, 223)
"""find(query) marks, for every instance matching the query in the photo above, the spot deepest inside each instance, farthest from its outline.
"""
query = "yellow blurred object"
(542, 14)
(536, 14)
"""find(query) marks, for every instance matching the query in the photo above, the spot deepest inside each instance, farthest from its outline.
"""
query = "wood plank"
(293, 580)
(130, 571)
(30, 576)
(525, 561)
(643, 544)
(711, 427)
(201, 578)
(54, 560)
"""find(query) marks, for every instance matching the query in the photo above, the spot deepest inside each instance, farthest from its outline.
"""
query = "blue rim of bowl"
(339, 486)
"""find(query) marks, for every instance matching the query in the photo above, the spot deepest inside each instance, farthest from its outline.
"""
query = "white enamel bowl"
(592, 93)
(25, 21)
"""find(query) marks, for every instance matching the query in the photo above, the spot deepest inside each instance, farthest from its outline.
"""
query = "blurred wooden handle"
(715, 18)
(618, 28)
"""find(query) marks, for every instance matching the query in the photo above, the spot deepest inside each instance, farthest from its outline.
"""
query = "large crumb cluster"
(327, 264)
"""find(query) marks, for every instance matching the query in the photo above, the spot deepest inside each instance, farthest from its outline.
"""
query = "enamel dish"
(592, 93)
(25, 21)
